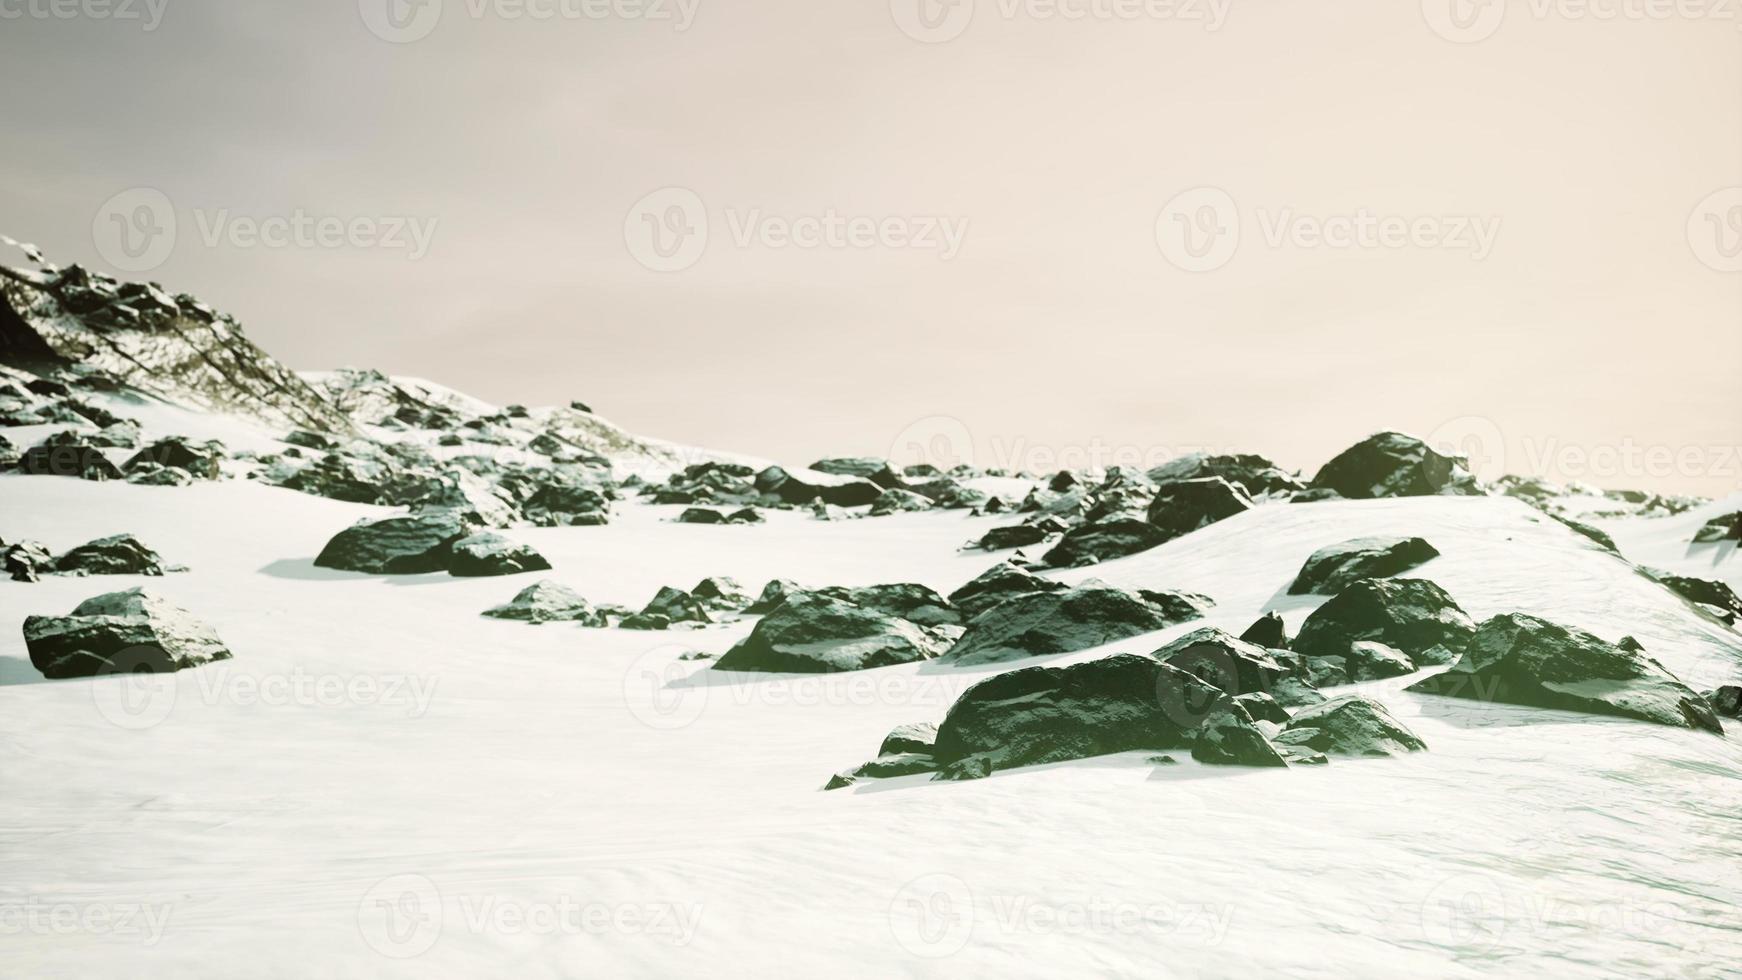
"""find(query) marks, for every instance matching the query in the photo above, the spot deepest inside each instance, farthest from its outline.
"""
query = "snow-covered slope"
(384, 783)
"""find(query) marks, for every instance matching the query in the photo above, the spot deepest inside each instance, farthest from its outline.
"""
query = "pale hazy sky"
(1552, 278)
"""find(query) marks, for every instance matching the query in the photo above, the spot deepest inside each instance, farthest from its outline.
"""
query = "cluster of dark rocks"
(1726, 527)
(129, 632)
(449, 541)
(118, 554)
(731, 492)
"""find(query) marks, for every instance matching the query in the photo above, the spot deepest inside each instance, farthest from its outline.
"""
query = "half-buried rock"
(1520, 659)
(995, 585)
(119, 554)
(1183, 507)
(407, 545)
(1391, 464)
(1350, 725)
(813, 633)
(1223, 662)
(121, 632)
(487, 554)
(1104, 540)
(1062, 622)
(548, 602)
(1332, 569)
(1412, 615)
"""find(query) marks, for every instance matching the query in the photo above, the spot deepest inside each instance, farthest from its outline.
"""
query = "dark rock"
(1314, 495)
(1334, 568)
(1295, 692)
(896, 500)
(1253, 474)
(202, 460)
(677, 606)
(120, 554)
(870, 468)
(80, 460)
(1519, 659)
(121, 632)
(1370, 661)
(26, 561)
(1061, 622)
(1038, 715)
(1350, 725)
(1602, 538)
(153, 475)
(1268, 631)
(1227, 737)
(548, 602)
(836, 490)
(904, 600)
(812, 633)
(1263, 707)
(405, 545)
(1710, 592)
(745, 515)
(1223, 662)
(721, 592)
(1413, 615)
(973, 767)
(996, 584)
(915, 738)
(1391, 464)
(487, 554)
(1727, 527)
(1726, 701)
(1020, 535)
(1103, 540)
(701, 515)
(773, 594)
(567, 505)
(644, 621)
(1183, 507)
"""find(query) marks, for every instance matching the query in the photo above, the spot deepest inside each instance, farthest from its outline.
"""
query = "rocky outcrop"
(813, 633)
(1712, 594)
(1228, 737)
(486, 554)
(1268, 631)
(75, 459)
(1253, 474)
(200, 460)
(548, 602)
(1183, 507)
(121, 632)
(1334, 568)
(119, 554)
(1350, 725)
(1087, 616)
(1099, 541)
(1414, 616)
(808, 485)
(1520, 659)
(1391, 464)
(1726, 527)
(996, 584)
(1232, 666)
(407, 545)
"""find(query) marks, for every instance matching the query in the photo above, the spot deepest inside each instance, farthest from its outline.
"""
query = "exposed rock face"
(120, 554)
(701, 515)
(895, 500)
(1332, 569)
(1223, 662)
(1707, 592)
(1060, 622)
(1183, 507)
(773, 594)
(1726, 701)
(81, 460)
(1100, 541)
(560, 504)
(173, 347)
(909, 739)
(486, 554)
(26, 561)
(1268, 631)
(1727, 527)
(1391, 464)
(120, 632)
(720, 592)
(1253, 474)
(802, 488)
(1371, 661)
(996, 584)
(548, 602)
(1602, 538)
(201, 460)
(676, 606)
(1020, 535)
(1051, 714)
(812, 633)
(1519, 659)
(1413, 615)
(903, 600)
(870, 468)
(1350, 725)
(1227, 737)
(406, 545)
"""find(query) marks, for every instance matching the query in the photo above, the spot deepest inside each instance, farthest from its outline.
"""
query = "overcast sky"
(794, 228)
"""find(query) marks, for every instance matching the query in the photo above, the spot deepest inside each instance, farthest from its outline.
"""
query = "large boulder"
(1087, 616)
(1051, 714)
(548, 602)
(996, 584)
(1102, 540)
(904, 600)
(1333, 568)
(721, 592)
(557, 504)
(1707, 592)
(1183, 507)
(1268, 631)
(1350, 725)
(121, 632)
(811, 633)
(1516, 658)
(1253, 474)
(871, 468)
(201, 460)
(486, 554)
(1726, 527)
(1227, 737)
(1391, 464)
(119, 554)
(808, 485)
(773, 594)
(406, 545)
(676, 606)
(1412, 615)
(1020, 535)
(1218, 659)
(26, 561)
